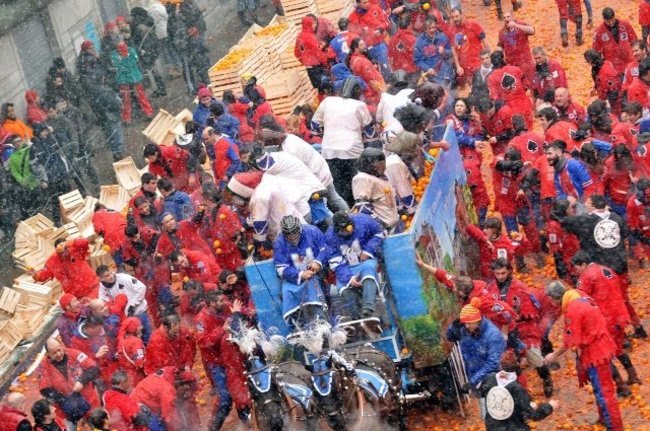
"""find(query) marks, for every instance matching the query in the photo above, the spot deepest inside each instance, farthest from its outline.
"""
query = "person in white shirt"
(274, 134)
(397, 95)
(345, 122)
(158, 13)
(402, 150)
(112, 284)
(372, 191)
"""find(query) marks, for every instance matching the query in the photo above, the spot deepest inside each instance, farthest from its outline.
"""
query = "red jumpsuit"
(547, 186)
(638, 221)
(201, 267)
(529, 144)
(368, 24)
(604, 287)
(107, 363)
(555, 79)
(175, 158)
(164, 352)
(502, 247)
(638, 91)
(307, 49)
(585, 330)
(505, 191)
(499, 126)
(187, 236)
(400, 51)
(157, 391)
(10, 418)
(572, 113)
(223, 229)
(122, 409)
(467, 40)
(517, 51)
(617, 183)
(222, 160)
(110, 224)
(50, 377)
(523, 300)
(561, 242)
(569, 9)
(472, 165)
(607, 81)
(507, 84)
(625, 133)
(73, 272)
(631, 72)
(619, 53)
(562, 131)
(366, 70)
(246, 132)
(131, 357)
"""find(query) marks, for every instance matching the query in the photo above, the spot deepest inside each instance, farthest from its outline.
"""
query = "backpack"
(20, 168)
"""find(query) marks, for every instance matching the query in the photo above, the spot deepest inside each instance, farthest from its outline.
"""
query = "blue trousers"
(146, 326)
(379, 53)
(218, 374)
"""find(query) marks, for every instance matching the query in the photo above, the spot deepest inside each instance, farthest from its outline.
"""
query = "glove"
(467, 386)
(130, 311)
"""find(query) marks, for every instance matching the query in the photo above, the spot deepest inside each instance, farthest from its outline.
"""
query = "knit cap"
(470, 313)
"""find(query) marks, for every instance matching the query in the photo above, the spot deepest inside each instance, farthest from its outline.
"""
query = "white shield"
(499, 403)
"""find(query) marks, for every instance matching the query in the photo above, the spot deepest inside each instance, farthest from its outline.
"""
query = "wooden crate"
(35, 290)
(29, 319)
(158, 130)
(83, 220)
(57, 289)
(113, 197)
(70, 201)
(27, 259)
(28, 229)
(5, 352)
(10, 334)
(100, 257)
(9, 299)
(128, 175)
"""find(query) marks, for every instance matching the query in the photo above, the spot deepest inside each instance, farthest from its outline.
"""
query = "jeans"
(146, 326)
(218, 374)
(379, 53)
(114, 135)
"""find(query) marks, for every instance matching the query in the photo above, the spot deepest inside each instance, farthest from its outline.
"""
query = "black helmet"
(290, 225)
(367, 160)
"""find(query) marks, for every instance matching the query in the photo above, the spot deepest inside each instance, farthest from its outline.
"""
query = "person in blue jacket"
(175, 202)
(353, 243)
(481, 344)
(433, 54)
(298, 258)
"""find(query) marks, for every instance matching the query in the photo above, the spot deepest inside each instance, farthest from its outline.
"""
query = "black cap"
(341, 220)
(608, 13)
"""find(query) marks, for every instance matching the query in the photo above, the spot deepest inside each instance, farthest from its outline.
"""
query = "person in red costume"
(310, 54)
(604, 287)
(64, 371)
(400, 49)
(529, 144)
(496, 119)
(562, 244)
(639, 89)
(110, 225)
(640, 53)
(506, 83)
(171, 162)
(468, 39)
(617, 181)
(69, 267)
(125, 413)
(513, 40)
(238, 108)
(224, 230)
(221, 358)
(159, 391)
(613, 39)
(67, 322)
(12, 416)
(91, 339)
(183, 234)
(130, 349)
(360, 65)
(371, 23)
(195, 265)
(549, 75)
(638, 221)
(585, 330)
(571, 10)
(607, 83)
(236, 289)
(226, 154)
(170, 345)
(492, 244)
(558, 130)
(567, 109)
(148, 190)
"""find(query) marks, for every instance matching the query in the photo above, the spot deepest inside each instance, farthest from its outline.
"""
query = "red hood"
(307, 24)
(31, 96)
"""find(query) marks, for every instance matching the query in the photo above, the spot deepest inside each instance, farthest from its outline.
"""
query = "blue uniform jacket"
(179, 205)
(290, 260)
(426, 56)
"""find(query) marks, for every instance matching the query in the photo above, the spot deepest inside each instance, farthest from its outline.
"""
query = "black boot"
(639, 332)
(622, 390)
(545, 374)
(632, 376)
(564, 32)
(579, 40)
(499, 10)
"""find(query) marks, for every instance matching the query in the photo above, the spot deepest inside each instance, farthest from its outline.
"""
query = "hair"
(404, 23)
(589, 154)
(192, 285)
(484, 105)
(150, 150)
(40, 409)
(139, 201)
(228, 97)
(147, 177)
(581, 258)
(498, 59)
(484, 51)
(412, 117)
(173, 257)
(557, 144)
(622, 157)
(213, 296)
(430, 20)
(560, 209)
(500, 263)
(268, 122)
(93, 320)
(492, 223)
(165, 185)
(217, 109)
(430, 95)
(555, 289)
(464, 283)
(102, 269)
(119, 377)
(549, 114)
(343, 24)
(169, 320)
(131, 230)
(539, 50)
(97, 418)
(634, 108)
(592, 56)
(519, 123)
(598, 201)
(608, 13)
(59, 241)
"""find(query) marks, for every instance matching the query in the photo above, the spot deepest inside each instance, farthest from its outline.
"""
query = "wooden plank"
(70, 201)
(83, 219)
(128, 175)
(10, 334)
(9, 300)
(113, 197)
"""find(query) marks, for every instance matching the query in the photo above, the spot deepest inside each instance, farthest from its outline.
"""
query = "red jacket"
(572, 113)
(638, 216)
(631, 72)
(472, 166)
(560, 241)
(523, 300)
(202, 268)
(110, 224)
(625, 133)
(176, 159)
(73, 272)
(130, 358)
(498, 126)
(307, 49)
(107, 363)
(400, 51)
(529, 144)
(366, 70)
(619, 53)
(10, 418)
(505, 190)
(222, 229)
(467, 40)
(585, 330)
(163, 352)
(507, 84)
(617, 183)
(246, 132)
(563, 131)
(638, 91)
(607, 81)
(517, 50)
(366, 25)
(546, 177)
(556, 78)
(499, 312)
(211, 337)
(222, 159)
(502, 247)
(604, 287)
(187, 235)
(35, 113)
(157, 391)
(50, 377)
(121, 409)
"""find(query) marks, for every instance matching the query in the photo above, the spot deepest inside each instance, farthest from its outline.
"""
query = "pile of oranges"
(233, 58)
(271, 30)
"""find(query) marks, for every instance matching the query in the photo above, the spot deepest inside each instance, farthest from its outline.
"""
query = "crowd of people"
(319, 190)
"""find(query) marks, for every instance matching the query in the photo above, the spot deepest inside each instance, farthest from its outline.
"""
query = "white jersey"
(378, 192)
(130, 286)
(399, 177)
(289, 168)
(310, 157)
(389, 103)
(271, 201)
(343, 121)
